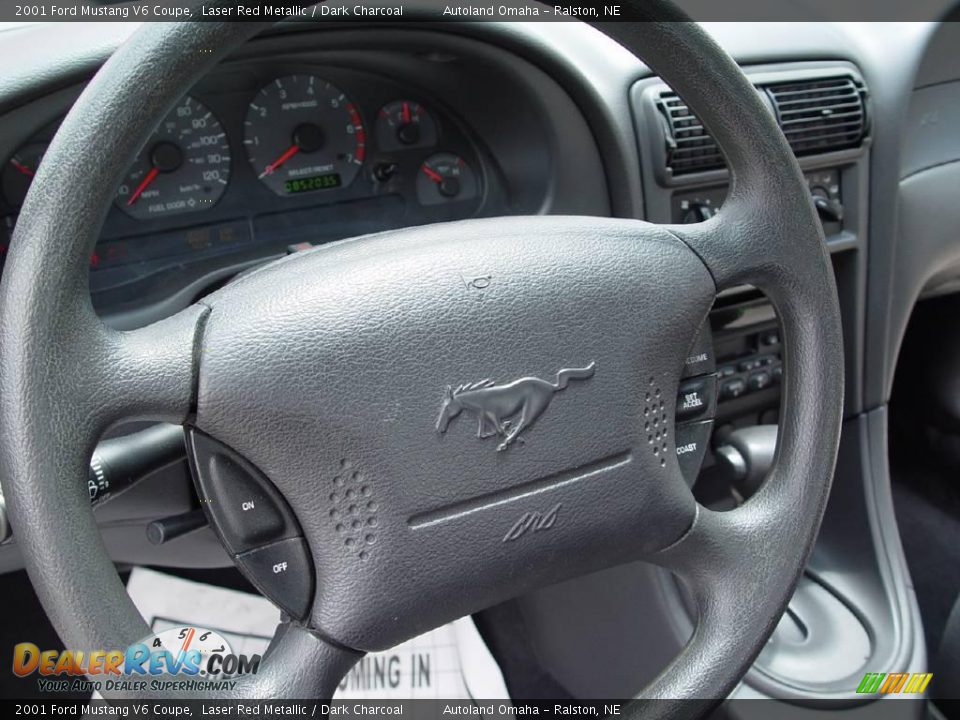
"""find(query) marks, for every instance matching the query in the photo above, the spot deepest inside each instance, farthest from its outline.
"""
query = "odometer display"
(184, 167)
(318, 182)
(303, 134)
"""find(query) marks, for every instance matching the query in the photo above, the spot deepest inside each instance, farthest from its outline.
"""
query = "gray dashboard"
(550, 116)
(521, 144)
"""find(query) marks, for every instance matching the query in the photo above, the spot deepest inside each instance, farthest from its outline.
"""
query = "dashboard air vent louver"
(820, 115)
(689, 147)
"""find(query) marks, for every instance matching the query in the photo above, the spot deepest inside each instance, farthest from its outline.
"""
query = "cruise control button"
(701, 360)
(283, 572)
(696, 398)
(241, 503)
(692, 439)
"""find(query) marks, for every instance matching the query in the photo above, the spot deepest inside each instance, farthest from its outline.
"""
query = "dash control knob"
(828, 208)
(697, 212)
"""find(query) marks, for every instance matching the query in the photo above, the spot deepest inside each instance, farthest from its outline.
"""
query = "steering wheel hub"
(327, 372)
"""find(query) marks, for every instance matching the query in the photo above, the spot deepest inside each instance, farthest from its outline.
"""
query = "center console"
(851, 613)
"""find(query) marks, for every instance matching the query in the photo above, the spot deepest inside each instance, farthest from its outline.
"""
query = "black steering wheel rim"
(65, 377)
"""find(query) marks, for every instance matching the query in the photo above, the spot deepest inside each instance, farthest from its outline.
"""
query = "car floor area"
(928, 513)
(925, 470)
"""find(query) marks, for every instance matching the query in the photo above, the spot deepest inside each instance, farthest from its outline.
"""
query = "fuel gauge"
(404, 125)
(444, 178)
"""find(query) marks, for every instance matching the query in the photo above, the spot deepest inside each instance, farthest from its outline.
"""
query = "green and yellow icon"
(890, 683)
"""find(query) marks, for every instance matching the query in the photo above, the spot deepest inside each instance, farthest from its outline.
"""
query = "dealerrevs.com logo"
(181, 658)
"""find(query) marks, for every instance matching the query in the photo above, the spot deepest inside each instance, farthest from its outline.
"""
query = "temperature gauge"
(405, 124)
(444, 178)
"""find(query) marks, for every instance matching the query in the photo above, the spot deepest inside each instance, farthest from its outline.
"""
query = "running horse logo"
(494, 404)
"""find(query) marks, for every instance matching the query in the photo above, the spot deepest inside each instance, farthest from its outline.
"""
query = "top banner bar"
(469, 11)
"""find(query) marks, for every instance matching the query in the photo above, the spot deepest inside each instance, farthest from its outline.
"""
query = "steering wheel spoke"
(149, 373)
(298, 664)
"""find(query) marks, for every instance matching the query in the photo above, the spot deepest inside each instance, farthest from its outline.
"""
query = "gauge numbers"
(184, 167)
(302, 134)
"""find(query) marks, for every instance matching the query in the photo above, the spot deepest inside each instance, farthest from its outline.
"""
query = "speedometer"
(303, 134)
(185, 165)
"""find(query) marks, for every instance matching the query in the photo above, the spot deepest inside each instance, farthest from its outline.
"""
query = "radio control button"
(759, 380)
(731, 389)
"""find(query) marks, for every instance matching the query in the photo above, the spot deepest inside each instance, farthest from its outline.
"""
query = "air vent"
(689, 147)
(817, 115)
(820, 115)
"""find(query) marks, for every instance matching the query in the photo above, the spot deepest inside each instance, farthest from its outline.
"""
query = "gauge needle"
(151, 176)
(21, 167)
(432, 174)
(186, 642)
(288, 153)
(406, 113)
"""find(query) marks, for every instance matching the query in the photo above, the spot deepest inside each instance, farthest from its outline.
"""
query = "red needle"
(21, 167)
(288, 153)
(433, 174)
(186, 642)
(406, 112)
(151, 176)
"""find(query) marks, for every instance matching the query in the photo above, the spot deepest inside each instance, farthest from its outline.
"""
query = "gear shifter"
(747, 455)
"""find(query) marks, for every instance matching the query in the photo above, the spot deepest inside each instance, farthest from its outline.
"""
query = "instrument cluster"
(264, 156)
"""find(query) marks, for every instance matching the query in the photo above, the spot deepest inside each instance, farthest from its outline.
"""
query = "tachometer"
(303, 134)
(184, 167)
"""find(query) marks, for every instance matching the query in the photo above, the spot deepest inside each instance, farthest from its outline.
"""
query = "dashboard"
(270, 155)
(286, 146)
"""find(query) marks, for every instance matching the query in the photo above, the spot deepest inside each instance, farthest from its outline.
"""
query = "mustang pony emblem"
(493, 404)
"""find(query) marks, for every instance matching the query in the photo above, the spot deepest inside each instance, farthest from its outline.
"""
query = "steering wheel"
(341, 357)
